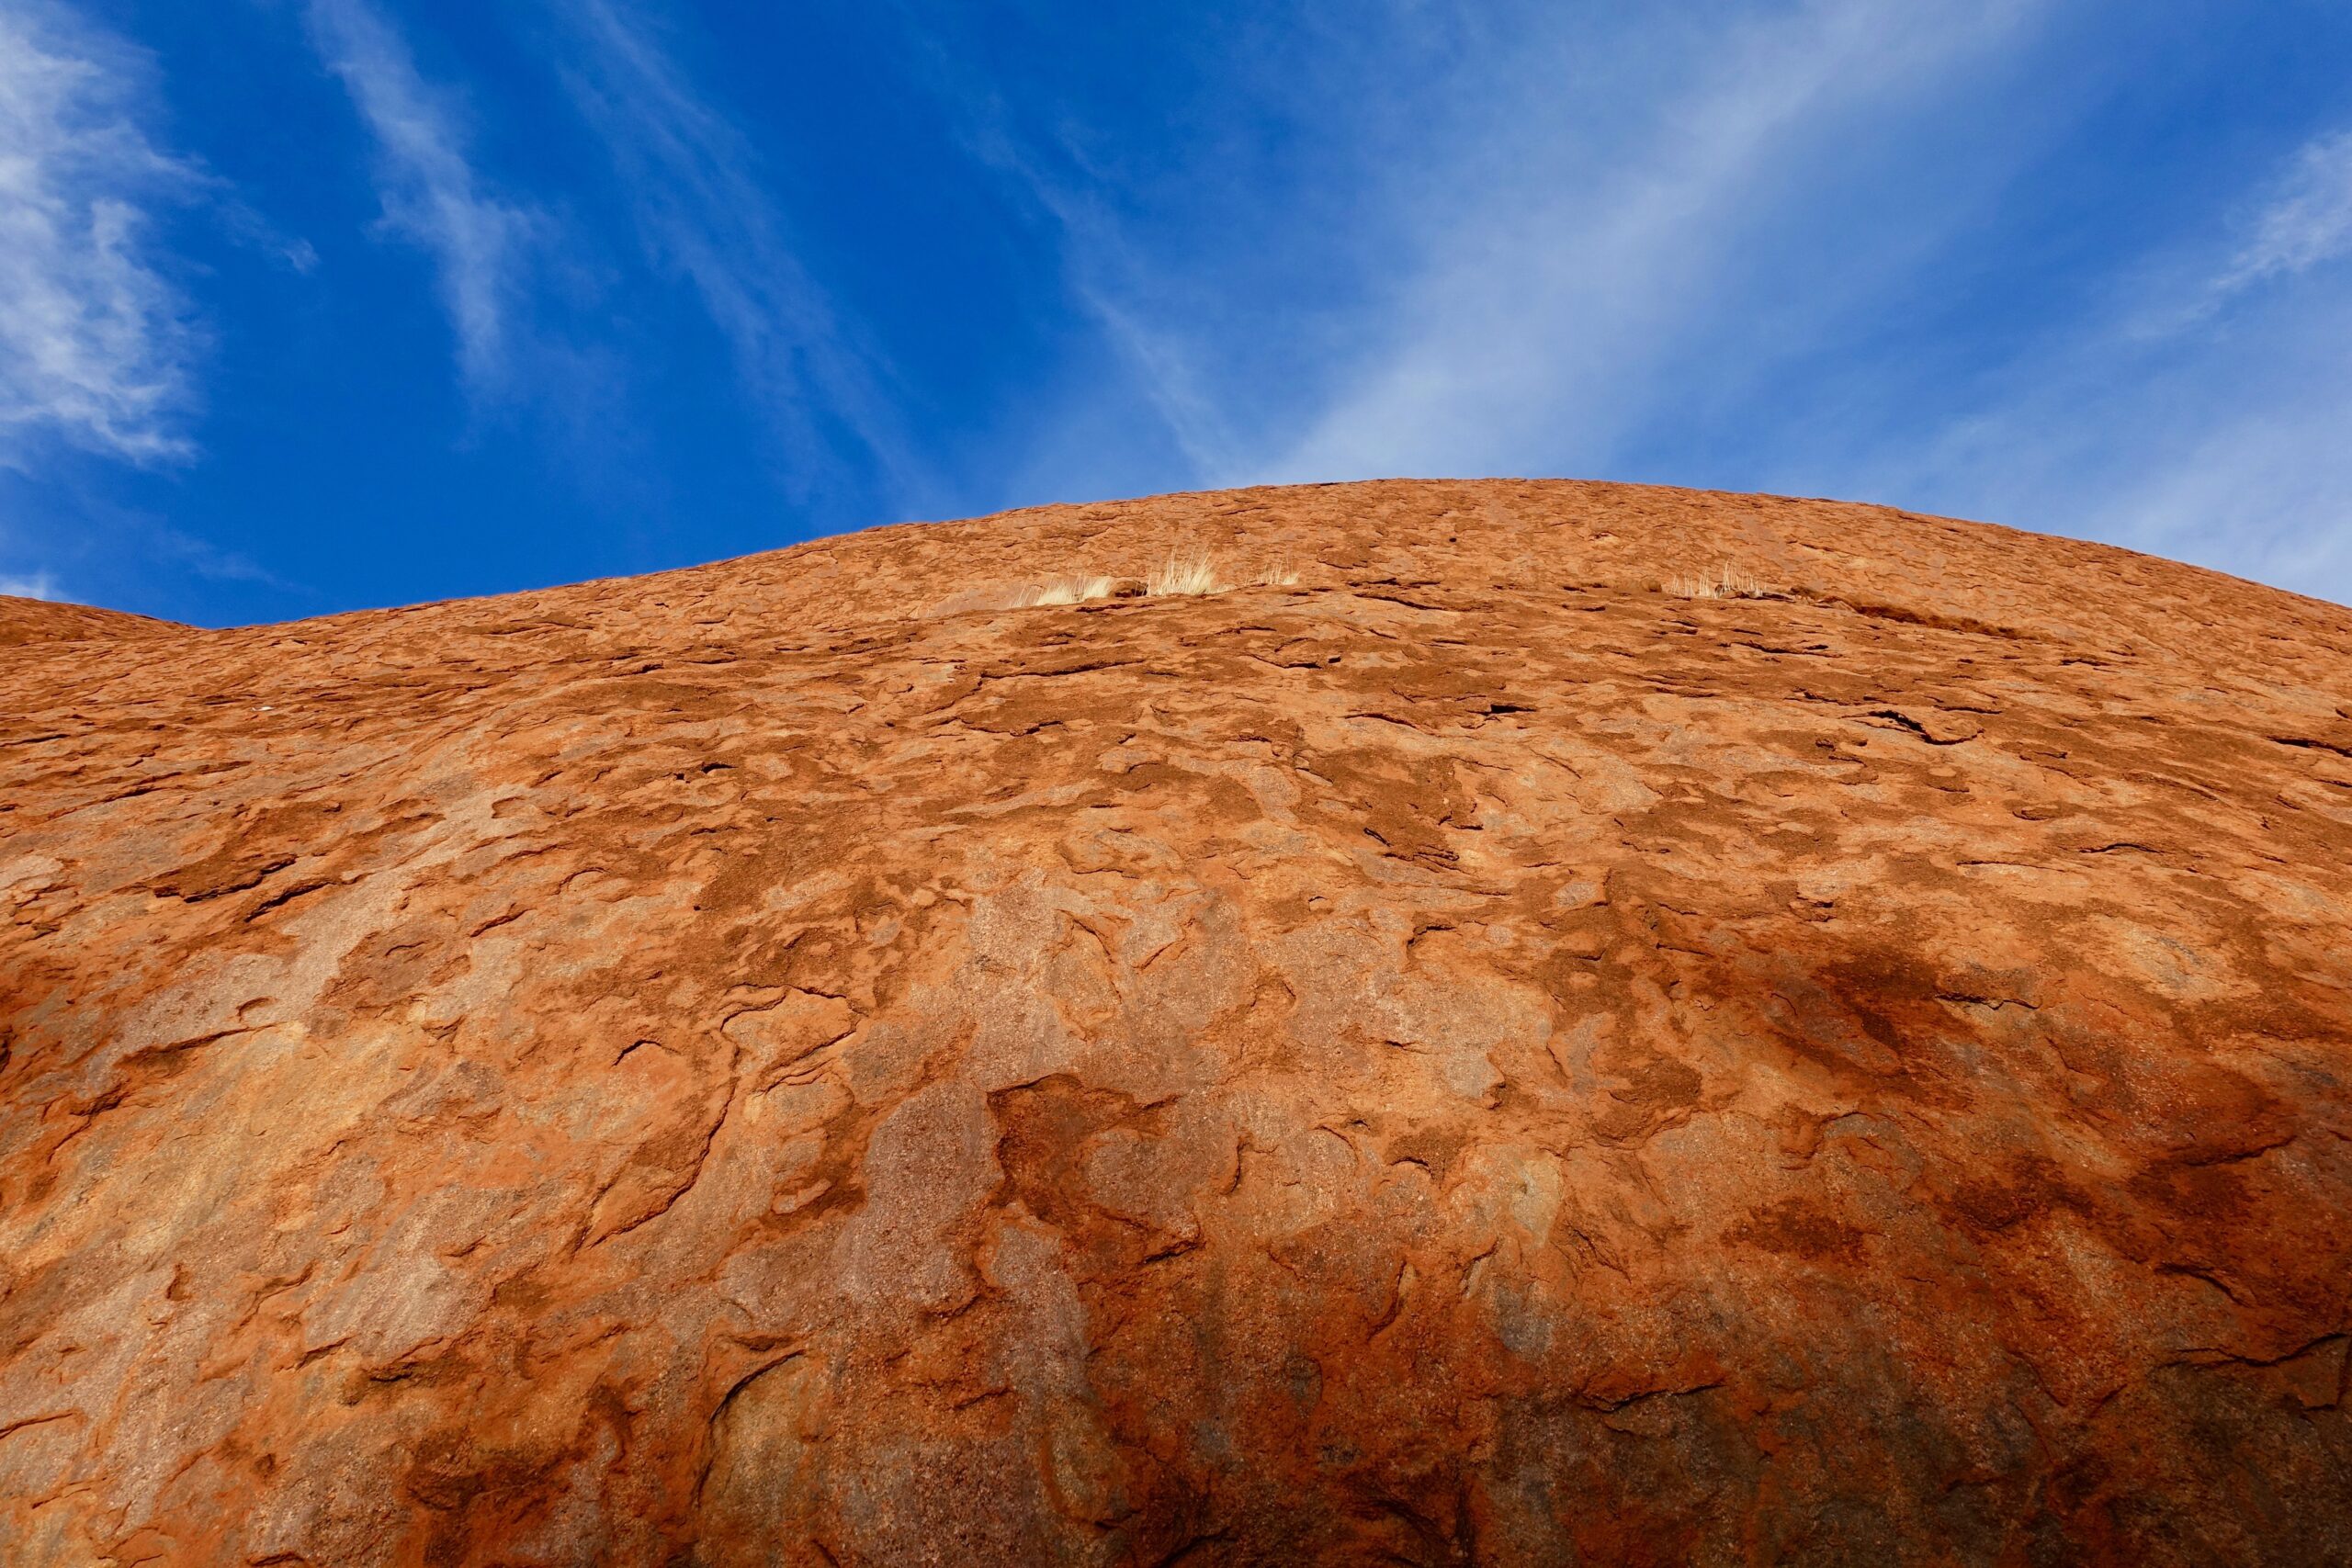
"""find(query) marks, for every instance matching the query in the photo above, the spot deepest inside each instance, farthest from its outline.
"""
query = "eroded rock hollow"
(1538, 1023)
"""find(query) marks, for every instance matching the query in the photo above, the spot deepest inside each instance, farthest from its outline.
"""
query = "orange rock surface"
(39, 620)
(1478, 1053)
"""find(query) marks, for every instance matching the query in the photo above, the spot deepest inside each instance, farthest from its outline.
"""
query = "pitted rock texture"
(1466, 1058)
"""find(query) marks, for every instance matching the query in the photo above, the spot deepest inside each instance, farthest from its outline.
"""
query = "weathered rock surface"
(1463, 1058)
(41, 620)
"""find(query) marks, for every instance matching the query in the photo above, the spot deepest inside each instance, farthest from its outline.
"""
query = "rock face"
(1466, 1056)
(39, 620)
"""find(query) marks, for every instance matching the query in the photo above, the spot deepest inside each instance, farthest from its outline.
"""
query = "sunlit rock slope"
(1477, 1052)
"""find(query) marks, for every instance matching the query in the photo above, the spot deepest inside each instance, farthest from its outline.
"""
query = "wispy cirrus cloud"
(2304, 221)
(1109, 276)
(1493, 238)
(432, 194)
(2203, 416)
(705, 212)
(96, 342)
(1572, 259)
(1836, 247)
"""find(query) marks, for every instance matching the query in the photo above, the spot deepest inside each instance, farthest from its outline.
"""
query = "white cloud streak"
(432, 196)
(2306, 220)
(1520, 219)
(1696, 243)
(2207, 424)
(704, 213)
(39, 585)
(1543, 324)
(1107, 277)
(96, 342)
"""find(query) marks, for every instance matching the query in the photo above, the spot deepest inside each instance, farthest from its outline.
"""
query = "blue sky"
(307, 304)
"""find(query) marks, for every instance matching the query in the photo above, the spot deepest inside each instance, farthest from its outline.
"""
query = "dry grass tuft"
(1724, 584)
(1180, 573)
(1069, 591)
(1185, 574)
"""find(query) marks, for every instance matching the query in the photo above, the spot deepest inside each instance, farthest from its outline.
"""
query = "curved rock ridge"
(42, 620)
(1478, 1047)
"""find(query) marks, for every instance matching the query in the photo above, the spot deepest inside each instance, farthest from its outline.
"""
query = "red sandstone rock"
(39, 620)
(1466, 1057)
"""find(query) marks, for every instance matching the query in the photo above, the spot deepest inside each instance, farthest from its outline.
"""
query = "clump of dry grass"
(1181, 573)
(1069, 591)
(1724, 584)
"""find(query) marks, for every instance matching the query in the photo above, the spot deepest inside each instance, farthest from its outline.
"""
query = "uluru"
(1411, 1022)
